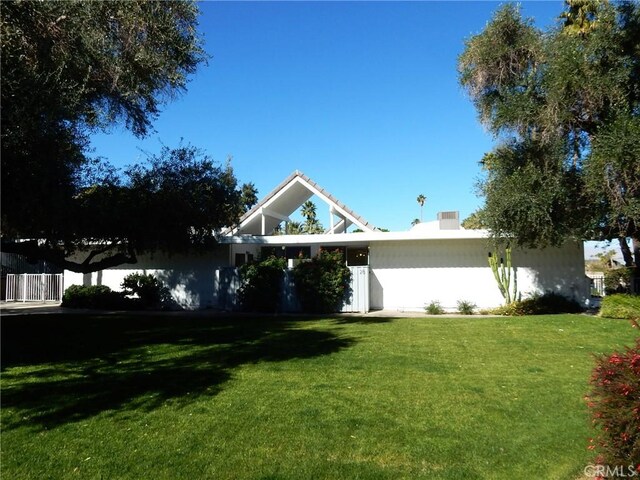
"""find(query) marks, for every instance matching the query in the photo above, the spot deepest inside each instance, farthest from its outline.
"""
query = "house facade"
(400, 271)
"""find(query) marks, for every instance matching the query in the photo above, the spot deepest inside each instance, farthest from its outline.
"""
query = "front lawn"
(184, 396)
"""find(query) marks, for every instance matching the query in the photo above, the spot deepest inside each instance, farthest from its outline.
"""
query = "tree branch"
(56, 256)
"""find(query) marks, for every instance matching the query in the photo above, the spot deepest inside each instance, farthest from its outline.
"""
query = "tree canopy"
(564, 105)
(72, 68)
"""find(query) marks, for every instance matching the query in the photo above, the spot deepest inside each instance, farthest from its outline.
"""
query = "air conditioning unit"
(449, 220)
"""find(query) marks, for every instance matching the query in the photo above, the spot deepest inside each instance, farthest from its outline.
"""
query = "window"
(240, 259)
(297, 252)
(266, 252)
(357, 256)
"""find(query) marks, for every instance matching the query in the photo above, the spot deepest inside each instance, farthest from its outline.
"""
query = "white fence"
(39, 287)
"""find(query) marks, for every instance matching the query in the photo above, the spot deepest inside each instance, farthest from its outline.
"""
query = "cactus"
(502, 271)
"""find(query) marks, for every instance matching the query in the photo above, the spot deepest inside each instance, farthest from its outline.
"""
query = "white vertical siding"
(406, 275)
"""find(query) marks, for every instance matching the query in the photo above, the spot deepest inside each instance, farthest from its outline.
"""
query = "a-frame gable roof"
(288, 197)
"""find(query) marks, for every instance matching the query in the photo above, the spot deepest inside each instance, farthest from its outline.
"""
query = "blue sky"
(363, 97)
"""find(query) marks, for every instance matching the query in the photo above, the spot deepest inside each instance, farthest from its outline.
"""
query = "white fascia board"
(352, 238)
(336, 208)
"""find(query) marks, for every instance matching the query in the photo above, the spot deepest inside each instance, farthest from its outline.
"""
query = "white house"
(436, 260)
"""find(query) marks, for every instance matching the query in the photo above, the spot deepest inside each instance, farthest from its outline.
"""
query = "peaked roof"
(288, 197)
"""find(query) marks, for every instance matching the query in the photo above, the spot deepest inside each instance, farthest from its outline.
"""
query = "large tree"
(564, 105)
(71, 68)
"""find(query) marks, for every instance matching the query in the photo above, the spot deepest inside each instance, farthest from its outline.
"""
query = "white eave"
(285, 199)
(355, 238)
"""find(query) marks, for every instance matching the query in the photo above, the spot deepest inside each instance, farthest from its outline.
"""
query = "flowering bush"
(322, 284)
(615, 408)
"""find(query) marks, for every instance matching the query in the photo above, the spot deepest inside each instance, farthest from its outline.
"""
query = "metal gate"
(39, 287)
(359, 296)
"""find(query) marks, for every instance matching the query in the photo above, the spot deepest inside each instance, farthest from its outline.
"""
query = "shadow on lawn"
(363, 320)
(80, 366)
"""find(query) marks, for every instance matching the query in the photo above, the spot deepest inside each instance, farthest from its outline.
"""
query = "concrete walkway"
(31, 308)
(24, 308)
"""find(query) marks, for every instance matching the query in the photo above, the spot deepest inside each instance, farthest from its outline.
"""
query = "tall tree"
(564, 105)
(175, 202)
(421, 199)
(71, 68)
(311, 224)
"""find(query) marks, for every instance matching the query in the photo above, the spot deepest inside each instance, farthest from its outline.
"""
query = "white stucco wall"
(191, 278)
(406, 275)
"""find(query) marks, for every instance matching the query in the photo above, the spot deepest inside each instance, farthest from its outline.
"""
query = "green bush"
(547, 304)
(322, 283)
(618, 280)
(620, 305)
(149, 290)
(261, 288)
(615, 408)
(434, 308)
(465, 307)
(94, 297)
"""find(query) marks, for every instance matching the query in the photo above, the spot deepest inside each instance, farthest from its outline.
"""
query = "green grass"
(190, 397)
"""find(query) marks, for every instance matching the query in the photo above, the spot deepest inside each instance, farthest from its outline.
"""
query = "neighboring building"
(436, 260)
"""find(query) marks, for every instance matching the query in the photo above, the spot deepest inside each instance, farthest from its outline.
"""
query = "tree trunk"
(626, 252)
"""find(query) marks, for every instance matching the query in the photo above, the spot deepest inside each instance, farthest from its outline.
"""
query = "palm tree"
(293, 228)
(421, 199)
(311, 224)
(308, 209)
(415, 222)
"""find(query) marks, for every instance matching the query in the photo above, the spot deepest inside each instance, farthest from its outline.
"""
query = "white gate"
(359, 299)
(38, 287)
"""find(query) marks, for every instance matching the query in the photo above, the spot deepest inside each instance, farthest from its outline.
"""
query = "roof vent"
(449, 220)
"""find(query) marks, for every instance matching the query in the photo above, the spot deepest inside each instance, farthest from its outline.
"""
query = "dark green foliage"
(69, 69)
(98, 297)
(618, 280)
(620, 306)
(547, 304)
(322, 283)
(465, 307)
(149, 290)
(565, 107)
(614, 403)
(261, 289)
(174, 203)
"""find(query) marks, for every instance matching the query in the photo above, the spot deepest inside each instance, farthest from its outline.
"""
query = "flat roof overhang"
(354, 238)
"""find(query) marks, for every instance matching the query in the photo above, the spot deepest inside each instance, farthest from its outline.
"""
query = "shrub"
(149, 290)
(614, 403)
(261, 288)
(465, 307)
(322, 283)
(93, 296)
(620, 306)
(434, 308)
(618, 280)
(549, 303)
